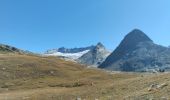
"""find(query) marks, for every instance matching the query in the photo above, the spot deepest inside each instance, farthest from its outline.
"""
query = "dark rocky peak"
(99, 45)
(95, 56)
(132, 39)
(98, 48)
(127, 45)
(136, 36)
(62, 49)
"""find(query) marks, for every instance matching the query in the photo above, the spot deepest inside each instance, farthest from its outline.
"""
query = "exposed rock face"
(95, 56)
(137, 52)
(10, 49)
(156, 87)
(7, 48)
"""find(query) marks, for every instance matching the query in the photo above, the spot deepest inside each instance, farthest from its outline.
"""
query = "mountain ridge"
(11, 49)
(137, 52)
(69, 50)
(95, 56)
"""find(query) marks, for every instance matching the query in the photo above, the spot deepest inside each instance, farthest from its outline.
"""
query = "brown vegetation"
(24, 77)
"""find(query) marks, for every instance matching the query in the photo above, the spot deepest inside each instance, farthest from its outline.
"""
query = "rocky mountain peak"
(99, 45)
(95, 56)
(136, 36)
(127, 45)
(137, 52)
(131, 40)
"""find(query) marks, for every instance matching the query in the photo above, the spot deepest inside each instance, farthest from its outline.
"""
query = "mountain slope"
(95, 56)
(10, 49)
(7, 48)
(137, 52)
(24, 77)
(31, 76)
(71, 54)
(67, 50)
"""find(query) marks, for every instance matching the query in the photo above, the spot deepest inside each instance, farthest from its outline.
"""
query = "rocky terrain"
(68, 54)
(137, 52)
(6, 48)
(95, 56)
(90, 56)
(67, 50)
(10, 49)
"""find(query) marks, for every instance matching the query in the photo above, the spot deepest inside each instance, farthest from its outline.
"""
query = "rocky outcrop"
(95, 56)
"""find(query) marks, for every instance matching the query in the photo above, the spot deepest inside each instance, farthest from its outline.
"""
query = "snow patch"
(73, 56)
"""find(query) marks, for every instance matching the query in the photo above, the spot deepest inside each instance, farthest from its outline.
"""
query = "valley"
(84, 50)
(138, 69)
(25, 77)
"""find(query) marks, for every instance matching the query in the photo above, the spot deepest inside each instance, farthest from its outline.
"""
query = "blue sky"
(37, 25)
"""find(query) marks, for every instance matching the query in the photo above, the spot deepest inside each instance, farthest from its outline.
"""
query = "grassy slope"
(49, 78)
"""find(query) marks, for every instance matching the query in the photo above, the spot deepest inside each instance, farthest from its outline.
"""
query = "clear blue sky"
(37, 25)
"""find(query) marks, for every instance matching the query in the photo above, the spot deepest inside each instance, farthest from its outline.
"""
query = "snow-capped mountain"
(72, 56)
(91, 56)
(69, 50)
(66, 53)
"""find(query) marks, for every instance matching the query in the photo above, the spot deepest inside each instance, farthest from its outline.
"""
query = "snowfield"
(73, 56)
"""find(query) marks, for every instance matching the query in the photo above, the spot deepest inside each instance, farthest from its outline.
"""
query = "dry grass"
(47, 78)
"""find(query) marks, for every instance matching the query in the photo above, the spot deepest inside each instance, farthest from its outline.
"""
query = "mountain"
(137, 52)
(66, 53)
(25, 77)
(91, 55)
(7, 48)
(10, 49)
(95, 56)
(67, 50)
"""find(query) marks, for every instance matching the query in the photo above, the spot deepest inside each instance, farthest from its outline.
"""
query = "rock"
(162, 85)
(78, 98)
(154, 87)
(161, 70)
(95, 56)
(3, 68)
